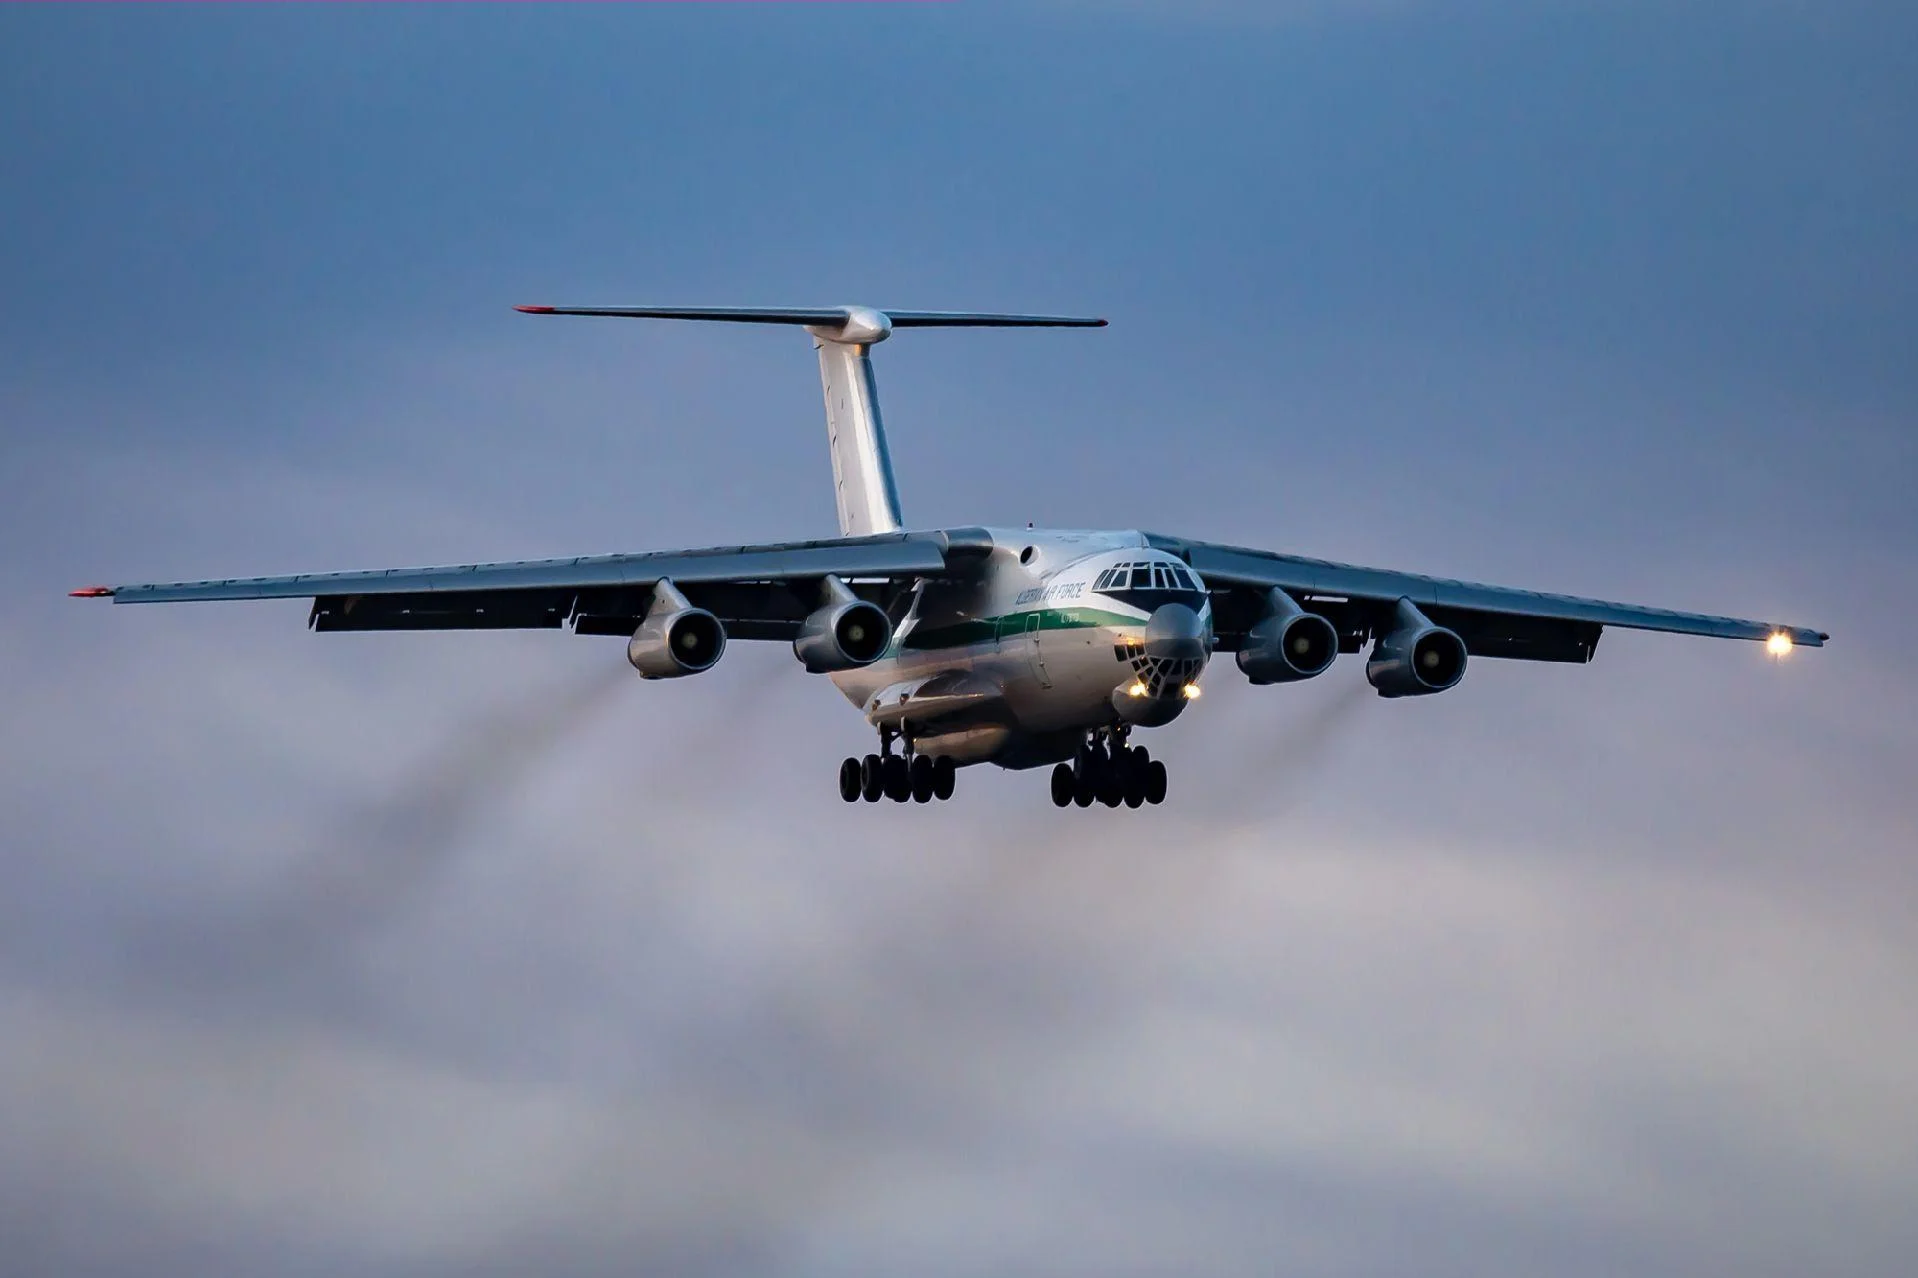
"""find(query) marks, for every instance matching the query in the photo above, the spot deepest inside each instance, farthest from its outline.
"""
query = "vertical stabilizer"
(863, 486)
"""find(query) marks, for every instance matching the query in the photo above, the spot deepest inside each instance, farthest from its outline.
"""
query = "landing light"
(1135, 689)
(1779, 645)
(1191, 691)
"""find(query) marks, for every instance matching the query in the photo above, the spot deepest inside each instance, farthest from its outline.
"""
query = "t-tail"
(863, 484)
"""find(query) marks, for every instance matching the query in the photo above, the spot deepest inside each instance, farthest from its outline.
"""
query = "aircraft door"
(1034, 656)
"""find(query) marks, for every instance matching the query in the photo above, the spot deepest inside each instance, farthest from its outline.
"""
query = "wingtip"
(91, 592)
(534, 310)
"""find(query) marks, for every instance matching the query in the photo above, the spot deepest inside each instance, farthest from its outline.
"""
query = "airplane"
(1017, 647)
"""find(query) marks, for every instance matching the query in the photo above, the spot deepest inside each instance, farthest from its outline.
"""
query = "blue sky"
(427, 954)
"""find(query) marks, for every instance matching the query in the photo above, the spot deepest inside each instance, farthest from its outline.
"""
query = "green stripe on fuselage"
(962, 634)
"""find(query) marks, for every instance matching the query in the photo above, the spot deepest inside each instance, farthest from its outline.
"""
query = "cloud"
(424, 954)
(475, 952)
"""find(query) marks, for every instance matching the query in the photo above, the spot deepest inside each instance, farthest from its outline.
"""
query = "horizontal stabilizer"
(863, 487)
(824, 316)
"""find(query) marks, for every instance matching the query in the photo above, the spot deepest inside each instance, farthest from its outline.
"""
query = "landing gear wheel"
(1085, 788)
(920, 775)
(850, 782)
(945, 773)
(872, 778)
(1062, 785)
(1155, 782)
(898, 778)
(1138, 768)
(1111, 777)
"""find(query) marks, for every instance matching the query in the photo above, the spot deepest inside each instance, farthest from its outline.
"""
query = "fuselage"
(1056, 634)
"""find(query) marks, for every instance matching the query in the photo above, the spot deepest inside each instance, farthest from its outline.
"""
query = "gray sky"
(434, 954)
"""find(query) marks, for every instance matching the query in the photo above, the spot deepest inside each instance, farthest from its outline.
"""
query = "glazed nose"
(1175, 633)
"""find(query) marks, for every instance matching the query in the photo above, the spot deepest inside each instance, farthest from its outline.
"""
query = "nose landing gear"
(1109, 771)
(899, 777)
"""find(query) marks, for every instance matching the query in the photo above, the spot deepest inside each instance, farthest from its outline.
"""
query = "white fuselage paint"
(1031, 638)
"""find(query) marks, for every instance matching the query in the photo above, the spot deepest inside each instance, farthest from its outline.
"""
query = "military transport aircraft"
(1017, 647)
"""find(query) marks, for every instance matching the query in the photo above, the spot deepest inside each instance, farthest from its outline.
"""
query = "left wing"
(759, 592)
(1494, 621)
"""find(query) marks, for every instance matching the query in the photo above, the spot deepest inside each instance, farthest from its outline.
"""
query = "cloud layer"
(435, 954)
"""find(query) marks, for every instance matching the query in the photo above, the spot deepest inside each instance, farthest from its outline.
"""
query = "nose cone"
(1175, 633)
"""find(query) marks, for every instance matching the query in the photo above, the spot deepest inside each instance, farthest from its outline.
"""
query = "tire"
(1136, 775)
(872, 778)
(1084, 791)
(1112, 779)
(945, 774)
(920, 775)
(1155, 782)
(850, 782)
(898, 778)
(1062, 785)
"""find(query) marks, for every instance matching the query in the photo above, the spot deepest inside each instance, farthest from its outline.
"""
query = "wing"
(759, 592)
(1494, 621)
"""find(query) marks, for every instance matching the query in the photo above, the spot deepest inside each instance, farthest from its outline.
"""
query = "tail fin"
(863, 486)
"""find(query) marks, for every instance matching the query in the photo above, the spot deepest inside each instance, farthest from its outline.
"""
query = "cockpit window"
(1147, 584)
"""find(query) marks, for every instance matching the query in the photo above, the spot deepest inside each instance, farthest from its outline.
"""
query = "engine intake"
(843, 633)
(1288, 643)
(1417, 658)
(675, 638)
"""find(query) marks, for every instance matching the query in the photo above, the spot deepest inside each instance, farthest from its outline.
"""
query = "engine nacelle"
(1288, 643)
(1417, 658)
(676, 638)
(844, 633)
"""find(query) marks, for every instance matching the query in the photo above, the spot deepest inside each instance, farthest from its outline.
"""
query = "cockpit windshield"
(1148, 583)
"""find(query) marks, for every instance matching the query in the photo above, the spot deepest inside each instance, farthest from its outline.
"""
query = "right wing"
(759, 592)
(1494, 621)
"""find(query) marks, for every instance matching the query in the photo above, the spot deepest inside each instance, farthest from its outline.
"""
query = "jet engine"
(675, 638)
(843, 633)
(1416, 658)
(1288, 643)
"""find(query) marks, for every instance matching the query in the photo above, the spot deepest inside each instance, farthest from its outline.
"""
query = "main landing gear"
(1111, 772)
(898, 777)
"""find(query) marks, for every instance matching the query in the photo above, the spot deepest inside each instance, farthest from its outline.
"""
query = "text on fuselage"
(1050, 594)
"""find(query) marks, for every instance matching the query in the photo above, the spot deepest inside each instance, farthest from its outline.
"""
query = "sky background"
(469, 953)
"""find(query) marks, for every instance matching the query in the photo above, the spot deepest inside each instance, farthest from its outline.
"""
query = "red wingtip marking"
(91, 592)
(534, 310)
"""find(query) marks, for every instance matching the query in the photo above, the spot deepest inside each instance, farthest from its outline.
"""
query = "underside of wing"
(759, 592)
(1494, 621)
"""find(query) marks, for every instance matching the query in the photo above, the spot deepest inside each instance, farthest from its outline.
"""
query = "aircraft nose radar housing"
(1176, 646)
(1288, 643)
(843, 633)
(1417, 658)
(676, 638)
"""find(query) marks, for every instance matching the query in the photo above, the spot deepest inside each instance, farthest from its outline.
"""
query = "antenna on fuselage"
(863, 485)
